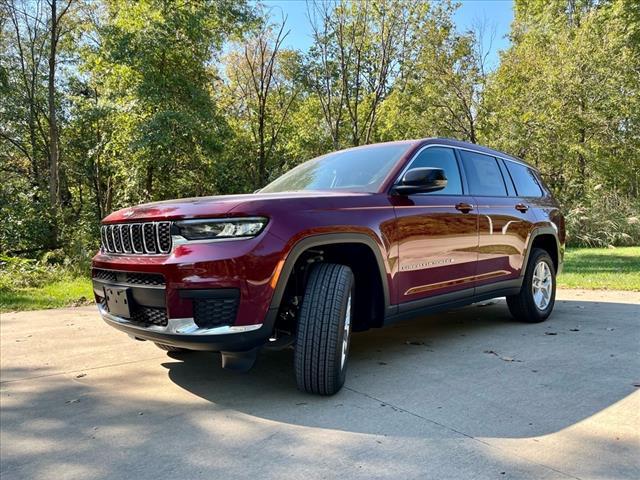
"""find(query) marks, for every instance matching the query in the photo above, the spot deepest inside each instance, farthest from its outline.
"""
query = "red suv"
(352, 240)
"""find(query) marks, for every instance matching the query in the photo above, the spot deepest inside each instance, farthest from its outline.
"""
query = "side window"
(524, 180)
(483, 175)
(444, 158)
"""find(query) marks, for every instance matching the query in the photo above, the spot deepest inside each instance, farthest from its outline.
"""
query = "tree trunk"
(149, 182)
(53, 125)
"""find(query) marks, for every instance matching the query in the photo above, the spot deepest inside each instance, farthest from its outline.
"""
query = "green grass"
(63, 293)
(590, 268)
(601, 268)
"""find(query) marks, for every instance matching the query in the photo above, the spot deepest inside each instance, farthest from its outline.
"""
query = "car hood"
(218, 206)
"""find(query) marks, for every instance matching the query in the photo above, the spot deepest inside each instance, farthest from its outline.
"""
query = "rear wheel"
(324, 329)
(537, 296)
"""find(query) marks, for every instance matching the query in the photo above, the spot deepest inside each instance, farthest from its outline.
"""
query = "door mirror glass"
(421, 180)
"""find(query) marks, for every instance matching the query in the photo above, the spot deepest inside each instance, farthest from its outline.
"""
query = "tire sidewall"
(342, 369)
(540, 256)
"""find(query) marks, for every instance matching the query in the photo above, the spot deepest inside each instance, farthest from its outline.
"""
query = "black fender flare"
(536, 232)
(328, 239)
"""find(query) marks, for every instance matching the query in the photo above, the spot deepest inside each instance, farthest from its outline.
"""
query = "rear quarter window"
(524, 180)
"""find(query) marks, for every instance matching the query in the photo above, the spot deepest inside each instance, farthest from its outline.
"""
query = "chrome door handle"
(464, 207)
(522, 207)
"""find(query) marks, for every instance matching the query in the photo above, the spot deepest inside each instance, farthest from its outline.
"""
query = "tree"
(566, 95)
(153, 66)
(260, 94)
(359, 51)
(31, 122)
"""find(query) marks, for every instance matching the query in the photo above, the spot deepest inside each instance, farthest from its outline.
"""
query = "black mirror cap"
(421, 180)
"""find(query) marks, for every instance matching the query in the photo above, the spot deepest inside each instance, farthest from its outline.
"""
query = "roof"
(473, 147)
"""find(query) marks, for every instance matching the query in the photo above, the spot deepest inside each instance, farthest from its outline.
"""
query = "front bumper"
(184, 333)
(172, 293)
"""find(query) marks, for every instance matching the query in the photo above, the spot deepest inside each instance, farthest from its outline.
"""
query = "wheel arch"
(546, 238)
(357, 244)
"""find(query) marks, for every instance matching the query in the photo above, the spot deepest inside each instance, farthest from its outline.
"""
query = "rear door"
(436, 232)
(504, 222)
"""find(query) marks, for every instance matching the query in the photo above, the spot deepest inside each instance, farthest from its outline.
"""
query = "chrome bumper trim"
(179, 326)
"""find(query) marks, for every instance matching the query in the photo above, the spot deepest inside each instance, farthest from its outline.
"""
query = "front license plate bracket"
(119, 301)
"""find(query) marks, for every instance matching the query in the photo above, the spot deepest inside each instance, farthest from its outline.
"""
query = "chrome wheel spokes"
(542, 285)
(346, 332)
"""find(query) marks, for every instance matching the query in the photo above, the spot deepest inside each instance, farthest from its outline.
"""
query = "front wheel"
(324, 329)
(537, 296)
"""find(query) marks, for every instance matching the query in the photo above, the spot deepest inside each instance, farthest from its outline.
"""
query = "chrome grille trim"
(147, 238)
(167, 226)
(148, 227)
(125, 234)
(137, 227)
(112, 229)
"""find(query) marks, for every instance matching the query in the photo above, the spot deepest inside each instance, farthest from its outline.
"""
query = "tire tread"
(317, 352)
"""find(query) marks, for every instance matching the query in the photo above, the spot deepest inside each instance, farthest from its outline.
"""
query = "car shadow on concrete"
(472, 370)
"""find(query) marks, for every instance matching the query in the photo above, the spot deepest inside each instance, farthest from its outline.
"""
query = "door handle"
(522, 207)
(464, 207)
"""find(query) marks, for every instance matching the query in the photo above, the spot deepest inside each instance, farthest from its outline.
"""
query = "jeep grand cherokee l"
(348, 241)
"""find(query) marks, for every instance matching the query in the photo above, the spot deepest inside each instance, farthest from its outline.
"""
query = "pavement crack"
(459, 432)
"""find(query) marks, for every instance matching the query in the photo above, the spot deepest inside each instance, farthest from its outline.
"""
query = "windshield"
(356, 170)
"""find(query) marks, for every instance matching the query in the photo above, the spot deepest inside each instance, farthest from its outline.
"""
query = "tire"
(526, 306)
(169, 348)
(324, 329)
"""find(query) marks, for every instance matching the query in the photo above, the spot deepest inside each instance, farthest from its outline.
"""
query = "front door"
(437, 233)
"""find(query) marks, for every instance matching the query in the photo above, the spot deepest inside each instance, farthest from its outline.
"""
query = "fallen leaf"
(574, 329)
(486, 304)
(81, 375)
(550, 333)
(506, 359)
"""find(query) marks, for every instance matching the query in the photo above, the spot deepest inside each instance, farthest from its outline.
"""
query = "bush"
(603, 219)
(16, 273)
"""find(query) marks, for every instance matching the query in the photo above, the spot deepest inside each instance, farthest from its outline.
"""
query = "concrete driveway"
(466, 394)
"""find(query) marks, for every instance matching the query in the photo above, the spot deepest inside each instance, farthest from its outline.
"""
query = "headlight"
(220, 228)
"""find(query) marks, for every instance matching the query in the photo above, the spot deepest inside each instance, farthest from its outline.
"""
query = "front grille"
(137, 238)
(132, 278)
(150, 316)
(215, 312)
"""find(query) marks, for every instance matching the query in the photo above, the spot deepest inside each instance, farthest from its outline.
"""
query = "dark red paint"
(428, 246)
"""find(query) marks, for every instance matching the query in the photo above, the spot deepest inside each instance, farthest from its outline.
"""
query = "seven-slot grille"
(137, 238)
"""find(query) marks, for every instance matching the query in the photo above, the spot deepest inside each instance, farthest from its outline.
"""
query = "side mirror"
(421, 180)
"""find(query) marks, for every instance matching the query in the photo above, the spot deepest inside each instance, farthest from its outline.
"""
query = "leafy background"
(108, 103)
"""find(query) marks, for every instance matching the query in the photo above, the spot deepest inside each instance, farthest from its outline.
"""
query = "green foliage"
(158, 99)
(19, 273)
(61, 293)
(56, 280)
(566, 98)
(587, 226)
